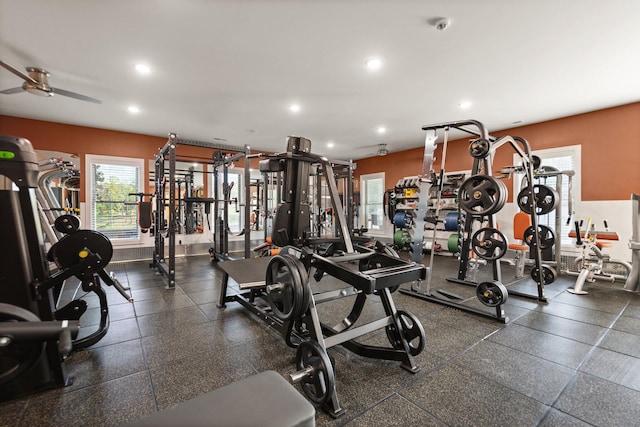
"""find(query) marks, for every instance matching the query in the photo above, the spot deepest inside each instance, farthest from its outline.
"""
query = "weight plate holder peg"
(284, 287)
(479, 148)
(489, 243)
(412, 331)
(315, 372)
(546, 198)
(547, 238)
(17, 357)
(481, 195)
(492, 293)
(548, 274)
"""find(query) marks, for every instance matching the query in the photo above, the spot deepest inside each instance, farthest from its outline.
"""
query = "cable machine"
(167, 196)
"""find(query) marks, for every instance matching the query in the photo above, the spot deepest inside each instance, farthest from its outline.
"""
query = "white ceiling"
(230, 69)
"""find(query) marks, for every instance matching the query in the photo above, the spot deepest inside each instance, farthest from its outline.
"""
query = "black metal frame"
(333, 257)
(166, 266)
(481, 166)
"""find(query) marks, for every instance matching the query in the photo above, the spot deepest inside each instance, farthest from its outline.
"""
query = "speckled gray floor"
(574, 360)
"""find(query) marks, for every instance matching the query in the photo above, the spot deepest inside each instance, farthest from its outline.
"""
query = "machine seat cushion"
(601, 245)
(265, 400)
(518, 247)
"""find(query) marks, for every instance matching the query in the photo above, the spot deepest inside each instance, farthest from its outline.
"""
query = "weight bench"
(265, 399)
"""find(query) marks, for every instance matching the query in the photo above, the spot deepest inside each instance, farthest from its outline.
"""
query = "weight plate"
(536, 161)
(412, 332)
(17, 357)
(402, 220)
(319, 385)
(402, 238)
(451, 221)
(306, 287)
(546, 199)
(67, 224)
(479, 148)
(481, 195)
(489, 243)
(452, 243)
(547, 238)
(492, 293)
(285, 291)
(548, 274)
(74, 247)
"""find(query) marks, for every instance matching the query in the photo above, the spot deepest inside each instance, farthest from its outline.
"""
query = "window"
(372, 189)
(109, 182)
(561, 159)
(234, 197)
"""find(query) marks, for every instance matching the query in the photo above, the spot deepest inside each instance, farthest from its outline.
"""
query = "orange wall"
(82, 140)
(610, 142)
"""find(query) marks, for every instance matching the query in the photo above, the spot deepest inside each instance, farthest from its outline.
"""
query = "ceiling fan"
(37, 83)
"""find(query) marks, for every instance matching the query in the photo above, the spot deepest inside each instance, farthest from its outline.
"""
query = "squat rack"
(167, 183)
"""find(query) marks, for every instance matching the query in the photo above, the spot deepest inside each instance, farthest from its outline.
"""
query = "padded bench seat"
(265, 400)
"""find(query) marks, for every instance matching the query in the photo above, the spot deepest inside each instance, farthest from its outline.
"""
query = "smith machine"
(279, 289)
(480, 197)
(167, 196)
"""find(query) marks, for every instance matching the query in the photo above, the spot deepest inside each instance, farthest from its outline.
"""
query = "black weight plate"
(492, 293)
(319, 386)
(536, 161)
(481, 195)
(479, 148)
(489, 243)
(71, 249)
(548, 274)
(306, 287)
(286, 302)
(546, 199)
(67, 224)
(412, 331)
(547, 238)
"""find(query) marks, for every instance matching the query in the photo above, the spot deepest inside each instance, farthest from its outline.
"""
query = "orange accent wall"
(610, 140)
(81, 140)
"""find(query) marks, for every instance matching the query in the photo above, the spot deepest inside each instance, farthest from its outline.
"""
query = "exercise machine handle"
(578, 238)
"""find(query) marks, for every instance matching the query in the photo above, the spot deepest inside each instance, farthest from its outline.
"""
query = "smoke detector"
(442, 24)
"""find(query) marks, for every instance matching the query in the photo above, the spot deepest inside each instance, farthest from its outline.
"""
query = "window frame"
(92, 159)
(363, 202)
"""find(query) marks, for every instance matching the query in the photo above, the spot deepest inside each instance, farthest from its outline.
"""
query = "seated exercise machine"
(28, 290)
(591, 263)
(279, 289)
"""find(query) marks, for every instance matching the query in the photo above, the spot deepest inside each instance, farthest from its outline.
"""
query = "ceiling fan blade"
(75, 95)
(18, 73)
(12, 90)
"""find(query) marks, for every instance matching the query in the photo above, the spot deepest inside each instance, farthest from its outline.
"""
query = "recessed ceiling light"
(381, 129)
(465, 104)
(294, 108)
(330, 144)
(133, 109)
(143, 68)
(373, 64)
